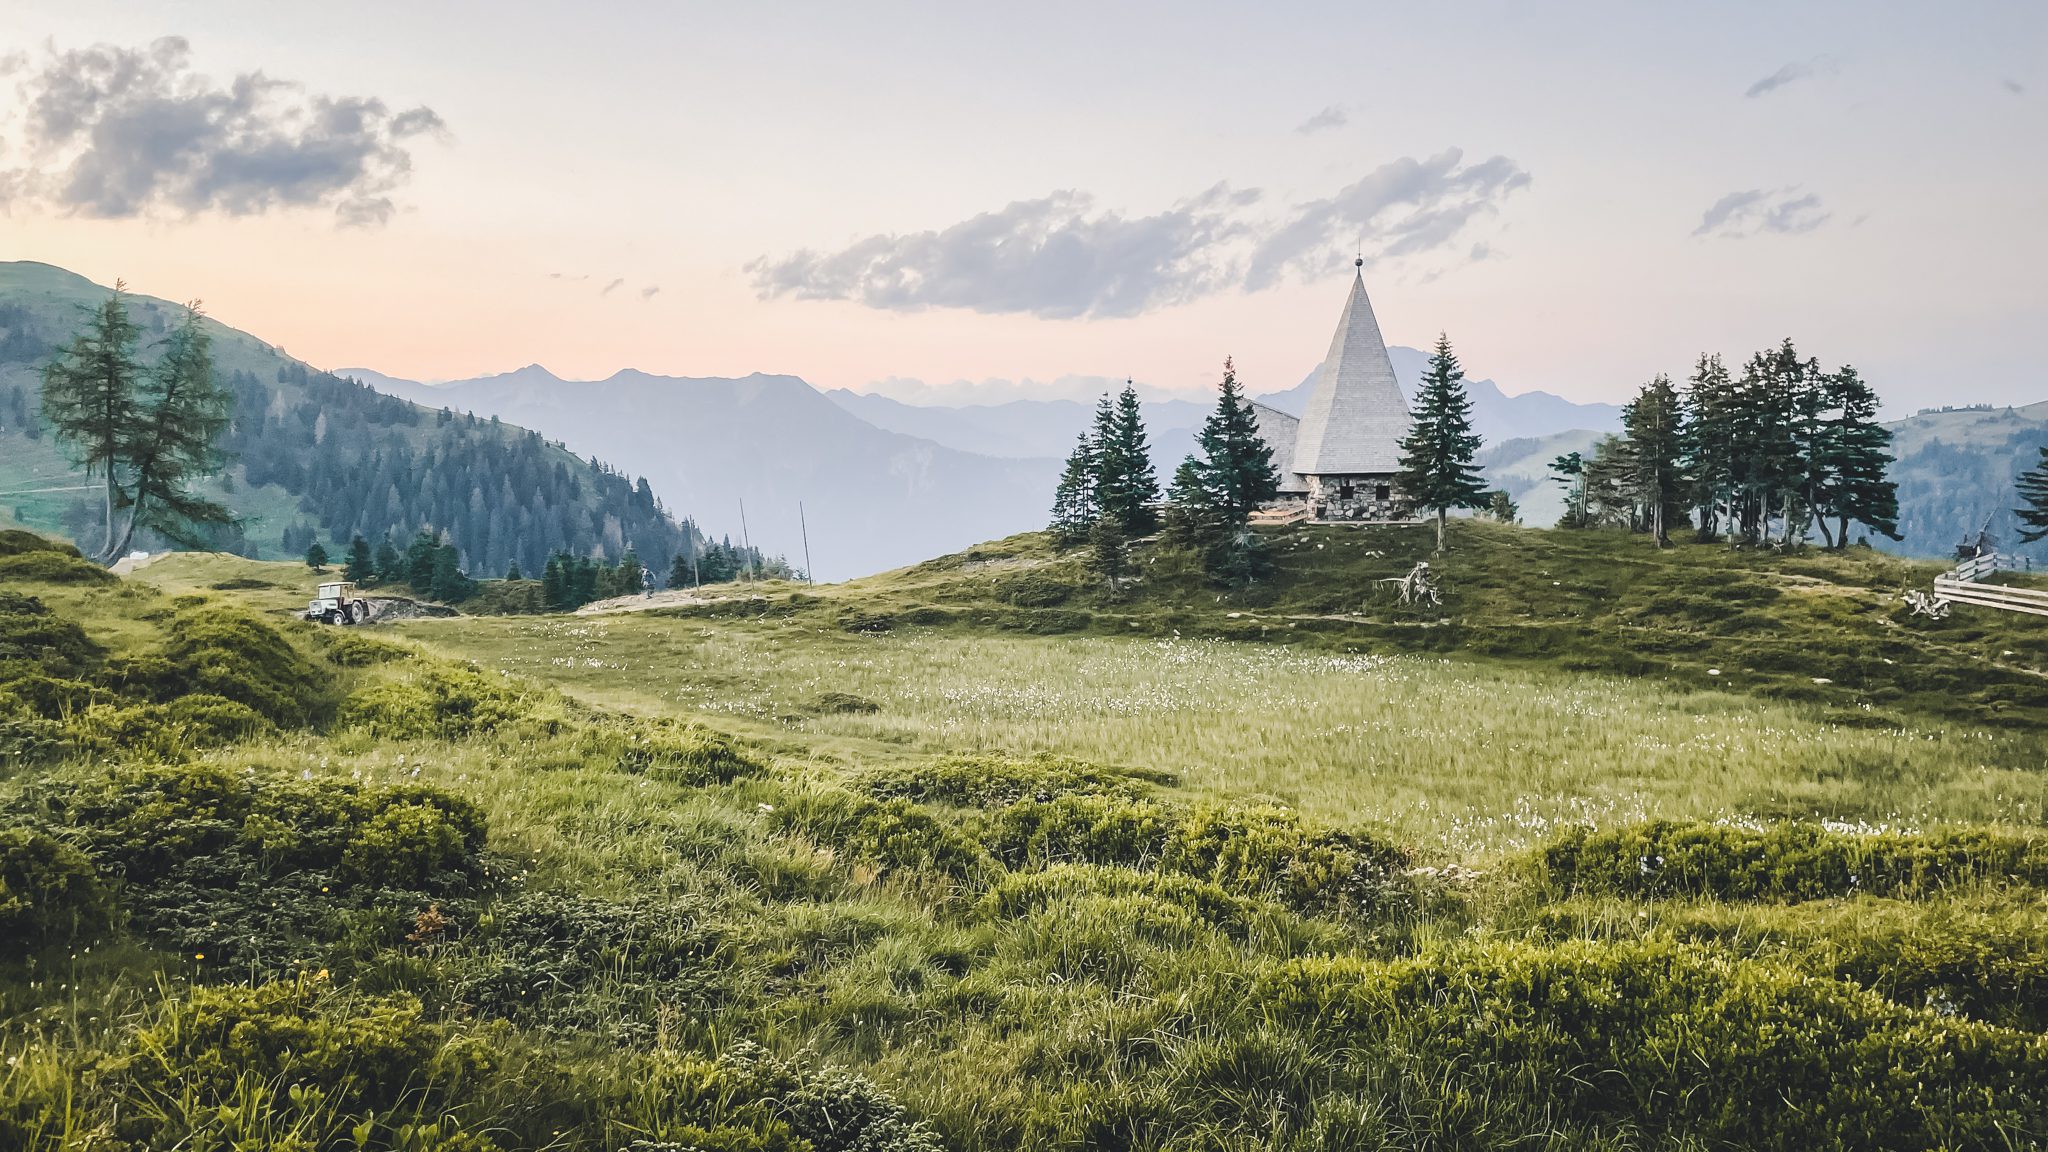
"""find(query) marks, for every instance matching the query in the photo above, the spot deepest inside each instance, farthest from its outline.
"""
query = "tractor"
(337, 603)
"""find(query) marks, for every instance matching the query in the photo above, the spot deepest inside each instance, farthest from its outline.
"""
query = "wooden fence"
(1965, 585)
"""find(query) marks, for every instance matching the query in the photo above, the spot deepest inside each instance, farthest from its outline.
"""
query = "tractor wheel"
(329, 617)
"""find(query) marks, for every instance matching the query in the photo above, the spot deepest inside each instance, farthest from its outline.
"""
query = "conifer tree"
(1237, 465)
(1110, 557)
(316, 556)
(1569, 470)
(1436, 456)
(390, 566)
(1710, 443)
(1074, 501)
(553, 592)
(2033, 489)
(1854, 454)
(358, 567)
(89, 397)
(1126, 482)
(173, 438)
(679, 571)
(631, 578)
(1655, 426)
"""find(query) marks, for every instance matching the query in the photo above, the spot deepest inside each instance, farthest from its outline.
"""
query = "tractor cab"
(337, 604)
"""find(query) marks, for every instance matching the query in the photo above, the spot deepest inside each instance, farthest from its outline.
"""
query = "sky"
(946, 200)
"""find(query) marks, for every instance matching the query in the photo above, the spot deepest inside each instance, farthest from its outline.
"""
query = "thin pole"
(746, 541)
(690, 538)
(804, 528)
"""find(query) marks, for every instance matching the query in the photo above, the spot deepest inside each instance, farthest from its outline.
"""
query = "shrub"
(16, 542)
(896, 835)
(1033, 590)
(1022, 894)
(560, 959)
(224, 652)
(995, 781)
(1268, 851)
(687, 754)
(346, 648)
(1785, 862)
(49, 893)
(53, 568)
(844, 703)
(436, 703)
(260, 866)
(1659, 1039)
(33, 639)
(1112, 830)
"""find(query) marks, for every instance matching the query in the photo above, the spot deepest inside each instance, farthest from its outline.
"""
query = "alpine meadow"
(1064, 725)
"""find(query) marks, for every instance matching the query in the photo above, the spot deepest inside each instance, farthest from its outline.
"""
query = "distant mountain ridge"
(812, 476)
(311, 454)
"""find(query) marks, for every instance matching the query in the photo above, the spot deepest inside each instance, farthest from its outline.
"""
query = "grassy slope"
(1087, 1019)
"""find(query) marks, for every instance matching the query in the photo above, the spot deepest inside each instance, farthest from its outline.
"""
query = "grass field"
(779, 872)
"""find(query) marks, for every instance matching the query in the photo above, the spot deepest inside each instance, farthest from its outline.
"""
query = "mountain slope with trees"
(310, 454)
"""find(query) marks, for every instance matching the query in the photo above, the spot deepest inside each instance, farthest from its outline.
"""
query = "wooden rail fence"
(1965, 585)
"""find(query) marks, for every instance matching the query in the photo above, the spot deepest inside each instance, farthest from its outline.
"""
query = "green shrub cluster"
(1784, 862)
(687, 754)
(301, 1066)
(1655, 1039)
(35, 640)
(992, 781)
(259, 866)
(439, 702)
(49, 892)
(52, 567)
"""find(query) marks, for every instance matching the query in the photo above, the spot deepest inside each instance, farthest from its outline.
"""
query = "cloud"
(1332, 117)
(1406, 207)
(607, 289)
(1060, 257)
(1790, 73)
(648, 293)
(1055, 257)
(2013, 86)
(1755, 211)
(118, 132)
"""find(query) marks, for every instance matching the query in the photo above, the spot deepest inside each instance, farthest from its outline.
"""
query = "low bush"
(843, 704)
(893, 835)
(260, 866)
(346, 648)
(49, 893)
(687, 754)
(17, 542)
(214, 651)
(437, 703)
(1080, 829)
(35, 640)
(1653, 1039)
(992, 781)
(1268, 851)
(1785, 862)
(1023, 894)
(53, 568)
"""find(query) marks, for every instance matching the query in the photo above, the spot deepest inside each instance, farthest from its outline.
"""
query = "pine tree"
(358, 567)
(1190, 516)
(89, 397)
(1854, 456)
(631, 578)
(553, 591)
(419, 562)
(512, 572)
(180, 412)
(1236, 465)
(1655, 426)
(1126, 483)
(679, 571)
(1569, 470)
(316, 556)
(390, 566)
(1110, 556)
(1436, 455)
(2033, 489)
(1074, 506)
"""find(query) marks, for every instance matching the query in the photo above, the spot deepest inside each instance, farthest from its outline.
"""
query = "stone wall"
(1371, 496)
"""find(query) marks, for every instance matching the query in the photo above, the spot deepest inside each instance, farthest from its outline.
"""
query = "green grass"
(750, 823)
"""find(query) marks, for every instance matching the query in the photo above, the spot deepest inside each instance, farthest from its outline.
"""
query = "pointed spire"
(1355, 416)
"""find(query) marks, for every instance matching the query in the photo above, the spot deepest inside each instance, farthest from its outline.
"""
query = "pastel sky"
(905, 196)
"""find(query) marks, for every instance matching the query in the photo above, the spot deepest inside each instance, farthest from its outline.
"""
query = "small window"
(1382, 493)
(1344, 490)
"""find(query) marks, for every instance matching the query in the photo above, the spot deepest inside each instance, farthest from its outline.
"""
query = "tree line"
(1767, 456)
(151, 421)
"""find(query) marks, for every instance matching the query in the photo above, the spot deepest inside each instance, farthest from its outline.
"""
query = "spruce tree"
(1074, 505)
(512, 572)
(553, 591)
(316, 556)
(89, 398)
(1569, 470)
(1110, 551)
(390, 566)
(1853, 458)
(1711, 437)
(2033, 489)
(1126, 483)
(1436, 456)
(1236, 465)
(1654, 424)
(358, 567)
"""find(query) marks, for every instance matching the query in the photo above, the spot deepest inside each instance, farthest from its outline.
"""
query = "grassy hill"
(311, 453)
(972, 856)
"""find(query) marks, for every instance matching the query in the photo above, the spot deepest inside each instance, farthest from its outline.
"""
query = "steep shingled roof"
(1355, 416)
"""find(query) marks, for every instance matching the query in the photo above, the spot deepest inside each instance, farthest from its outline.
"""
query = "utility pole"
(690, 538)
(746, 541)
(809, 576)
